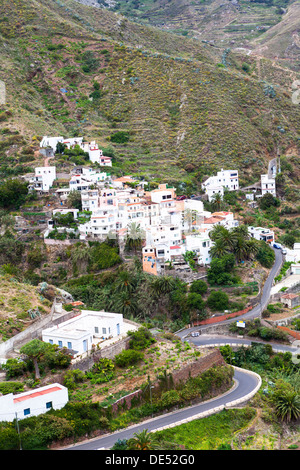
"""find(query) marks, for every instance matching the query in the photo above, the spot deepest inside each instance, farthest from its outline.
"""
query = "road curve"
(246, 384)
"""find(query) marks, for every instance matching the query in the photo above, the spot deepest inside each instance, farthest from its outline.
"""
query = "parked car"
(181, 198)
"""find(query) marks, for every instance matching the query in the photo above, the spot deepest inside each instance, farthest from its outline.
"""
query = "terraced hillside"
(159, 101)
(223, 23)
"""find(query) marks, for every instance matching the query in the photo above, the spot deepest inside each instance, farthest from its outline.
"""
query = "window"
(104, 331)
(51, 341)
(60, 344)
(69, 345)
(49, 405)
(96, 329)
(27, 411)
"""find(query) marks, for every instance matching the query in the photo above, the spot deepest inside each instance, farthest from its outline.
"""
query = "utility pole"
(150, 388)
(17, 424)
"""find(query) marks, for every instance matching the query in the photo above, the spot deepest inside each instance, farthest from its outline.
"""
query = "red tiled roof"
(36, 394)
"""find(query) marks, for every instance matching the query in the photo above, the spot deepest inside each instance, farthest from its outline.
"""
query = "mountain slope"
(161, 101)
(224, 23)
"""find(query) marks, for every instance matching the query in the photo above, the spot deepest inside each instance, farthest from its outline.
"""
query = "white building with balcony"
(43, 178)
(261, 233)
(228, 179)
(268, 185)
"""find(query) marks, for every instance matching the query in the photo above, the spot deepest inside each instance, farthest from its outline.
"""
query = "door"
(118, 328)
(84, 345)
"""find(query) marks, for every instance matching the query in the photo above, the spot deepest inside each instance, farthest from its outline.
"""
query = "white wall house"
(50, 142)
(85, 330)
(33, 403)
(261, 233)
(228, 179)
(200, 243)
(43, 178)
(267, 185)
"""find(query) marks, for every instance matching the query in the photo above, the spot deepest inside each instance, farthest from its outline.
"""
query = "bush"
(218, 300)
(265, 255)
(140, 339)
(14, 368)
(170, 398)
(128, 357)
(199, 286)
(120, 137)
(72, 377)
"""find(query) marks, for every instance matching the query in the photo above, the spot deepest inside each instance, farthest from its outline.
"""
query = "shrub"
(120, 137)
(199, 286)
(140, 339)
(128, 357)
(72, 377)
(170, 398)
(265, 255)
(14, 368)
(218, 300)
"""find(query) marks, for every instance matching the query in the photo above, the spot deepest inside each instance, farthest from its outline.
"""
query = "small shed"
(290, 300)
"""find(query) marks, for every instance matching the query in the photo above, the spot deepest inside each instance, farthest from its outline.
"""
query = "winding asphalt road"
(245, 383)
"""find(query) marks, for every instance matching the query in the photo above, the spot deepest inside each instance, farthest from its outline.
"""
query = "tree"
(268, 200)
(141, 441)
(163, 285)
(135, 236)
(125, 282)
(286, 401)
(195, 301)
(74, 200)
(13, 193)
(199, 286)
(35, 350)
(218, 300)
(81, 254)
(220, 271)
(265, 254)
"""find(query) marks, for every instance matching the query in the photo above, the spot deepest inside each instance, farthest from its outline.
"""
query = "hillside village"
(168, 226)
(173, 234)
(149, 225)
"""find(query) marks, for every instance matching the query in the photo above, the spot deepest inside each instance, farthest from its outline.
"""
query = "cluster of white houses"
(169, 226)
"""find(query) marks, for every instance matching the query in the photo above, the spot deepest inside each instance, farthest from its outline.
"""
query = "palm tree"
(288, 406)
(135, 236)
(124, 303)
(81, 255)
(227, 237)
(163, 285)
(217, 201)
(142, 440)
(218, 249)
(125, 282)
(240, 249)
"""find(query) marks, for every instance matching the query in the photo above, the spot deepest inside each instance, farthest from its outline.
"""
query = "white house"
(33, 403)
(261, 233)
(163, 193)
(88, 328)
(51, 142)
(201, 244)
(228, 179)
(43, 178)
(294, 254)
(267, 185)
